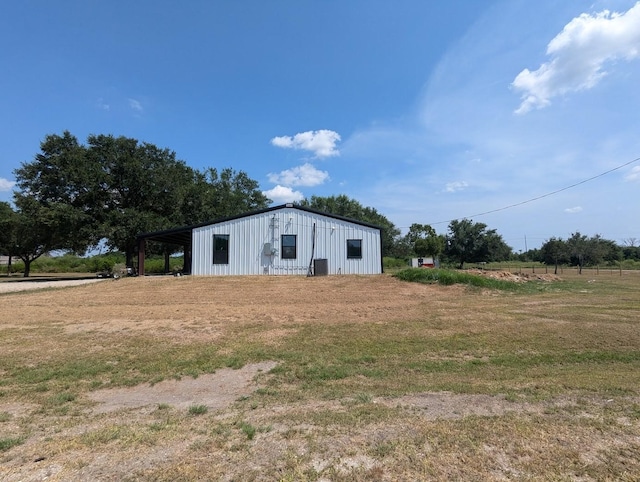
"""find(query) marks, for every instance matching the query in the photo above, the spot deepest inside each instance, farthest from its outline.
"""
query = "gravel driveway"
(11, 286)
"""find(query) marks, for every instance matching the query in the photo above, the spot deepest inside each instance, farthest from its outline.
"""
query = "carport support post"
(186, 264)
(141, 246)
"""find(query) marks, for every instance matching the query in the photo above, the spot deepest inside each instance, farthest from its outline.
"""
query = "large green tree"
(425, 241)
(115, 188)
(34, 229)
(215, 194)
(145, 188)
(585, 251)
(467, 241)
(342, 205)
(62, 178)
(554, 251)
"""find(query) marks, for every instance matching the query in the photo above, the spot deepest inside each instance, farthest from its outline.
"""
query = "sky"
(518, 114)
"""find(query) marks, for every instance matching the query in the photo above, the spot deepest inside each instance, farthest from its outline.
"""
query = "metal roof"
(182, 236)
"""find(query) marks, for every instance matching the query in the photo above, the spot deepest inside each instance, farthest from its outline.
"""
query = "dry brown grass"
(376, 379)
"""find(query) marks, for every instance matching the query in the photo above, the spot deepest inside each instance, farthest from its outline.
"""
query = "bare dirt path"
(215, 391)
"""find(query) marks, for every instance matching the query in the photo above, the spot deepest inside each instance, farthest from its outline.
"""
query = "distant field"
(352, 378)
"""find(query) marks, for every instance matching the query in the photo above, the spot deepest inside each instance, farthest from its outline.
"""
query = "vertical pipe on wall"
(313, 248)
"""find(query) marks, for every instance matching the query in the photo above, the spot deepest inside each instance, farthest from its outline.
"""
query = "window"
(288, 243)
(220, 249)
(354, 248)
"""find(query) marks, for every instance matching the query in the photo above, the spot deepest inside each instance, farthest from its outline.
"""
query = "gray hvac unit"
(320, 267)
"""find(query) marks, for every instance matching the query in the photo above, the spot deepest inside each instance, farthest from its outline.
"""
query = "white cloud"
(281, 194)
(135, 105)
(6, 185)
(456, 186)
(634, 175)
(578, 56)
(305, 175)
(574, 210)
(322, 142)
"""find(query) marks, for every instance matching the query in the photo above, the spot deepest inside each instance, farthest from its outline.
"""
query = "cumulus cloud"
(574, 210)
(322, 142)
(305, 175)
(579, 55)
(456, 186)
(283, 194)
(6, 185)
(634, 174)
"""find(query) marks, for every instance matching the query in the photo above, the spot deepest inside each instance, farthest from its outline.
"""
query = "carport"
(178, 237)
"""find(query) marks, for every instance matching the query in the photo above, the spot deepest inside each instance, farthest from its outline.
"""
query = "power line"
(544, 195)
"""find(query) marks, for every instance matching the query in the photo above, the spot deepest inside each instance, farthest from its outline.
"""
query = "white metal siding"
(249, 235)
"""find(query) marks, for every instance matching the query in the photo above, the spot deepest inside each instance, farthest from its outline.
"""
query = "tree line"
(580, 250)
(72, 196)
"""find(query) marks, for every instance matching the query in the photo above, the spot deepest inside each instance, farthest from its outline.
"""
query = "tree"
(221, 194)
(468, 241)
(116, 188)
(425, 240)
(577, 246)
(7, 231)
(630, 249)
(145, 186)
(342, 205)
(61, 177)
(6, 226)
(36, 230)
(554, 251)
(592, 251)
(605, 250)
(497, 249)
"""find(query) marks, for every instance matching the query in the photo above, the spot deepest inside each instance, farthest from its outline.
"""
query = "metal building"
(281, 240)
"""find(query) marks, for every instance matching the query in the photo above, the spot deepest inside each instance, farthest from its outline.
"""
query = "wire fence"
(564, 270)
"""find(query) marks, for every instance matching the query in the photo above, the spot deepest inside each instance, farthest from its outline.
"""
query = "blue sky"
(428, 111)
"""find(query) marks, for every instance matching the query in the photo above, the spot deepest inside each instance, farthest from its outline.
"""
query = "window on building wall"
(289, 248)
(354, 248)
(220, 249)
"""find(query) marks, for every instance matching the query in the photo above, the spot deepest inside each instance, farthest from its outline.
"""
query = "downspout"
(313, 250)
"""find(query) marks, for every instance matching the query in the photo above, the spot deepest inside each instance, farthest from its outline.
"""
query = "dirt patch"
(446, 405)
(515, 277)
(216, 391)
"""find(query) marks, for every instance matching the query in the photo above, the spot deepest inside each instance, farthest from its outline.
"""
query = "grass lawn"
(374, 378)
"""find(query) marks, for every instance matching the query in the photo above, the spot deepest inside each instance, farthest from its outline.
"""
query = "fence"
(564, 270)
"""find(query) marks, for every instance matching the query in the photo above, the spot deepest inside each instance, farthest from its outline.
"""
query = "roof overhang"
(177, 236)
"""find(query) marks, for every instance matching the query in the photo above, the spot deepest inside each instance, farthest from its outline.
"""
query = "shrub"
(198, 409)
(390, 263)
(248, 429)
(104, 263)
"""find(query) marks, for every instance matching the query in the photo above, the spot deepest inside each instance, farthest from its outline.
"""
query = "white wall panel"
(248, 236)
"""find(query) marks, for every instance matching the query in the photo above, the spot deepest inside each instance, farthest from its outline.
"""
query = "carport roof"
(178, 236)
